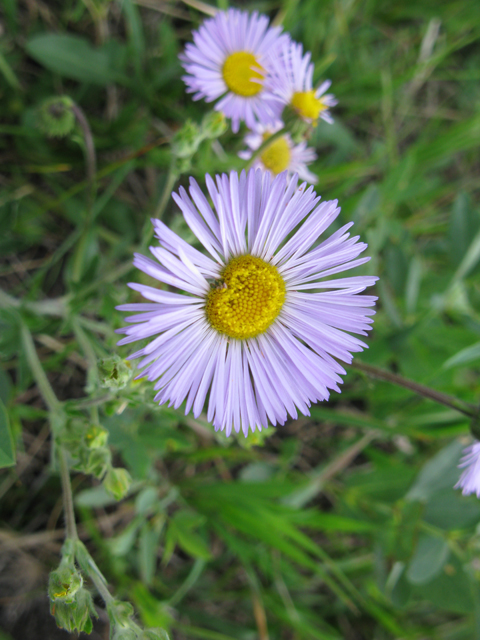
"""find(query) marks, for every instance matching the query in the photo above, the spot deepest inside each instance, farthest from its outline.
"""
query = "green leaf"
(193, 544)
(469, 354)
(7, 454)
(71, 57)
(430, 556)
(439, 473)
(448, 509)
(450, 590)
(147, 552)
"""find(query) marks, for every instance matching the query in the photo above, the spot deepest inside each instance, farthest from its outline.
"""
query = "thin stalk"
(147, 234)
(265, 144)
(466, 408)
(70, 524)
(167, 192)
(88, 564)
(41, 379)
(90, 157)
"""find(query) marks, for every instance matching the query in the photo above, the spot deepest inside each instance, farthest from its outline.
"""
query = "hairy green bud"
(114, 372)
(120, 614)
(96, 437)
(117, 482)
(214, 124)
(124, 634)
(64, 583)
(187, 140)
(97, 462)
(74, 615)
(56, 117)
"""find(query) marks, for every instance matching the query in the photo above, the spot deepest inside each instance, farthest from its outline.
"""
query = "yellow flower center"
(249, 299)
(239, 75)
(307, 105)
(276, 157)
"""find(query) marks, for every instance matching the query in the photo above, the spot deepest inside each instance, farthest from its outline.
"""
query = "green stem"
(52, 307)
(41, 379)
(167, 192)
(172, 177)
(90, 157)
(265, 144)
(89, 566)
(466, 408)
(70, 523)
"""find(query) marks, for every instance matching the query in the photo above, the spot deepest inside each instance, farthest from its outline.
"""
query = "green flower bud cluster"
(186, 141)
(70, 603)
(88, 445)
(56, 117)
(124, 627)
(115, 373)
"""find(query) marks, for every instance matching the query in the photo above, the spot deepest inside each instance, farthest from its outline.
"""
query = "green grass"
(339, 526)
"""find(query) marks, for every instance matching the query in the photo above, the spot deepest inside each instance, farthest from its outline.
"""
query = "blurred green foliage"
(341, 525)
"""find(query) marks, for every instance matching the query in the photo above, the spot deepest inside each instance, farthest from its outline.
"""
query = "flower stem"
(41, 379)
(167, 191)
(466, 408)
(70, 523)
(89, 566)
(90, 157)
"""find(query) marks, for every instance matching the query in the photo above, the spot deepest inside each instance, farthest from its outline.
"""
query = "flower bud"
(214, 124)
(114, 372)
(117, 482)
(96, 437)
(64, 583)
(55, 117)
(74, 615)
(97, 462)
(187, 140)
(125, 633)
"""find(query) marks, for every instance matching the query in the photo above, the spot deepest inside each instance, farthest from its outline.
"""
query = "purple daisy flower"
(259, 324)
(282, 155)
(470, 479)
(291, 79)
(230, 57)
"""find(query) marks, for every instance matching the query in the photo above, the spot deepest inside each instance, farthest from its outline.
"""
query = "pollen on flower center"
(276, 157)
(248, 301)
(307, 105)
(242, 73)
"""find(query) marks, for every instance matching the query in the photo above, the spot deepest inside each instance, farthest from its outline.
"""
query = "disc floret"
(248, 299)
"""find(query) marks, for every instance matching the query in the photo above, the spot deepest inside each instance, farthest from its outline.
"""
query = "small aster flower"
(470, 479)
(282, 155)
(255, 327)
(230, 57)
(292, 81)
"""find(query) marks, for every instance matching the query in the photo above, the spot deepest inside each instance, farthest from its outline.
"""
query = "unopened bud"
(64, 583)
(74, 615)
(117, 482)
(55, 117)
(120, 613)
(98, 461)
(214, 124)
(96, 437)
(125, 633)
(114, 372)
(187, 140)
